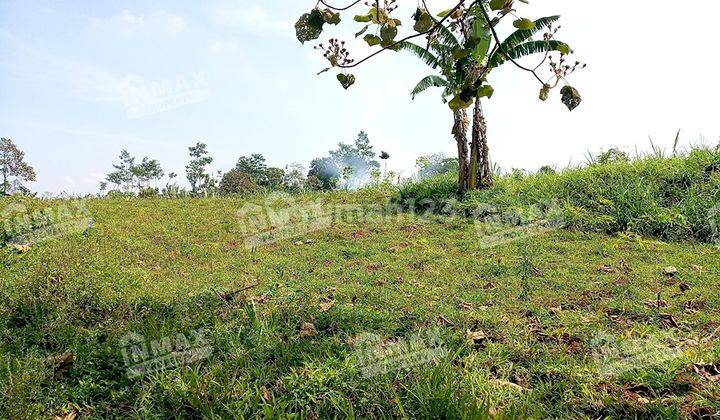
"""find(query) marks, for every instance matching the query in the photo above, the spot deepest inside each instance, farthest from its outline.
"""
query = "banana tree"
(463, 44)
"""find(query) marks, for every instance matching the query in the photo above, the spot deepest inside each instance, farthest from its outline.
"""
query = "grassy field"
(560, 324)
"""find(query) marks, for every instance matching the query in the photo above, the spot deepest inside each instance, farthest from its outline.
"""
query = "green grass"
(159, 268)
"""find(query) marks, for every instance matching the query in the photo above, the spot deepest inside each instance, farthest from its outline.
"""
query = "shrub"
(236, 182)
(666, 197)
(149, 193)
(428, 192)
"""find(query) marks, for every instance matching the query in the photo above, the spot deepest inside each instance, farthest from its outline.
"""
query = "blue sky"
(75, 79)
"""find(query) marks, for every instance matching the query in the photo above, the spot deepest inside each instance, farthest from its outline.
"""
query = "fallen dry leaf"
(696, 267)
(465, 305)
(258, 299)
(21, 248)
(324, 307)
(656, 303)
(605, 268)
(61, 363)
(684, 287)
(477, 337)
(709, 371)
(694, 305)
(265, 394)
(556, 310)
(444, 321)
(307, 329)
(670, 271)
(70, 416)
(624, 267)
(668, 321)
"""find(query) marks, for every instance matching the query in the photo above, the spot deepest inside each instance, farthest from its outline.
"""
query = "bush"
(240, 183)
(428, 192)
(666, 197)
(149, 193)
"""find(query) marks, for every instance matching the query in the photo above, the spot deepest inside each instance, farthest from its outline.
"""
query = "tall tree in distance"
(146, 171)
(14, 169)
(200, 180)
(348, 166)
(384, 156)
(122, 177)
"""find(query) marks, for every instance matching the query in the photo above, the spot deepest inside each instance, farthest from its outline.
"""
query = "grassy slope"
(155, 267)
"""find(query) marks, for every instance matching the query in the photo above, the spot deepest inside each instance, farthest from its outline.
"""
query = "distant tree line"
(349, 166)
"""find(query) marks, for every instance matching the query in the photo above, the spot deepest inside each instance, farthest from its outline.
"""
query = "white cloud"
(224, 47)
(128, 23)
(254, 19)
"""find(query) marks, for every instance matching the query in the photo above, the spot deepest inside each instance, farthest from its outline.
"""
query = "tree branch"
(407, 38)
(339, 8)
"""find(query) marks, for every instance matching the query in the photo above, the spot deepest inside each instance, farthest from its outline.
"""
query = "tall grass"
(666, 196)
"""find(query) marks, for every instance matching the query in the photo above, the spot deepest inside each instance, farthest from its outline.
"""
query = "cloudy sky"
(81, 80)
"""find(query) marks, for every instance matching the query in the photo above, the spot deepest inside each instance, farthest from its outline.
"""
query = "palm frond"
(522, 35)
(528, 48)
(428, 82)
(447, 37)
(426, 56)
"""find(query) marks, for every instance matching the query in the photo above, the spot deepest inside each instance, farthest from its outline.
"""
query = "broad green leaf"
(481, 31)
(423, 21)
(309, 26)
(564, 49)
(485, 91)
(457, 103)
(459, 53)
(346, 80)
(372, 40)
(363, 18)
(497, 4)
(388, 32)
(525, 24)
(444, 13)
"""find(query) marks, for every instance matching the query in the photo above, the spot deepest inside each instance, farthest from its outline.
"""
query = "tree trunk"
(459, 131)
(484, 175)
(474, 176)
